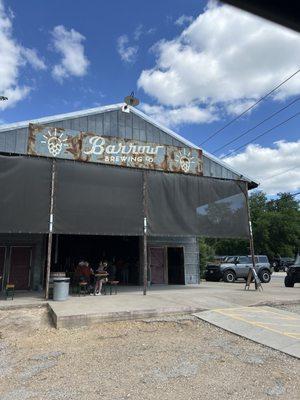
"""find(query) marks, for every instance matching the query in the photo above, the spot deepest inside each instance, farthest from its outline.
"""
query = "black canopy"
(103, 200)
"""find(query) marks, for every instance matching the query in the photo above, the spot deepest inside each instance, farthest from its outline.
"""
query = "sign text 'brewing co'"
(90, 147)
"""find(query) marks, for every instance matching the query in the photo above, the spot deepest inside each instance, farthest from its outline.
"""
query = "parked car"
(234, 267)
(281, 263)
(293, 273)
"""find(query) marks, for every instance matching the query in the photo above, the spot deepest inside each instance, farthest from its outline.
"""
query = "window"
(263, 259)
(230, 259)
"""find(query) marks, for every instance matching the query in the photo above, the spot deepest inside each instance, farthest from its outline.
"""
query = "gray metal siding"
(212, 168)
(111, 123)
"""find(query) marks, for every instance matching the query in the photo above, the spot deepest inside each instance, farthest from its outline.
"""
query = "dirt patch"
(169, 358)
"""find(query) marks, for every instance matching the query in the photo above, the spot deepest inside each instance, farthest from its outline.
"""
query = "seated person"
(101, 276)
(83, 272)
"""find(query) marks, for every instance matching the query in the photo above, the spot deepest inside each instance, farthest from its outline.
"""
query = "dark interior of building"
(175, 266)
(122, 251)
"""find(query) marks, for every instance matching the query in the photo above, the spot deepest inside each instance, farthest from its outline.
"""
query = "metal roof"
(113, 107)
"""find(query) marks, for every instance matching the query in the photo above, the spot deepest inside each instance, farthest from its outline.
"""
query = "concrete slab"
(23, 300)
(271, 327)
(87, 310)
(130, 303)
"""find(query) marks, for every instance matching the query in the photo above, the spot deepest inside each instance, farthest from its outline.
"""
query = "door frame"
(165, 266)
(4, 267)
(30, 263)
(166, 261)
(183, 253)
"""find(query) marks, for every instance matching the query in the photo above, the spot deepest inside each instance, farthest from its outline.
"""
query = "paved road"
(269, 326)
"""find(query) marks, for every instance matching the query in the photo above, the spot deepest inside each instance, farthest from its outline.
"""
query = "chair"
(82, 288)
(9, 291)
(113, 286)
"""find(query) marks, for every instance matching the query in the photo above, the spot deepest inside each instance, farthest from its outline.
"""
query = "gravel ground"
(166, 358)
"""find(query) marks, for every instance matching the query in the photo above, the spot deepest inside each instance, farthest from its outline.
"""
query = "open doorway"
(175, 257)
(122, 251)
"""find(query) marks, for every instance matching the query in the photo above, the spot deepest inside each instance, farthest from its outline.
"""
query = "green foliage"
(207, 253)
(276, 224)
(276, 229)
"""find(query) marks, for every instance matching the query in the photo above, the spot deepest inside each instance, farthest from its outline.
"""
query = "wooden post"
(56, 249)
(145, 253)
(252, 272)
(250, 229)
(49, 250)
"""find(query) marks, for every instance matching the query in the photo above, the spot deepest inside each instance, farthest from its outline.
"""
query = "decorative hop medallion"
(185, 160)
(55, 142)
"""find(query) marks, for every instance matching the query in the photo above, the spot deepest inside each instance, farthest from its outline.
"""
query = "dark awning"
(24, 194)
(196, 206)
(98, 200)
(103, 200)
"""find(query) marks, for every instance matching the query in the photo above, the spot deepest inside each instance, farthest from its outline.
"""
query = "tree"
(276, 229)
(284, 225)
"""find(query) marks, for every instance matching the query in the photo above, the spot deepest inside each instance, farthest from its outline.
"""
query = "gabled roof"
(114, 107)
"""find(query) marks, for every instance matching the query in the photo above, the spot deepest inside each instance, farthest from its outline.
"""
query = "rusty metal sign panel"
(91, 147)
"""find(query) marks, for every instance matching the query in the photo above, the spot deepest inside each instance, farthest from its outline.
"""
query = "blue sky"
(194, 65)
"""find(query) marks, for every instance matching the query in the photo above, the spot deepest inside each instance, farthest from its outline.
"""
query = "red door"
(2, 260)
(157, 264)
(20, 267)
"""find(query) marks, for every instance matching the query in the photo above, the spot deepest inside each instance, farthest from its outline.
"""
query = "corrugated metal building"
(28, 251)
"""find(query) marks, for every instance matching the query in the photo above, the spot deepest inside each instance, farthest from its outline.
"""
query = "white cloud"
(68, 43)
(172, 117)
(269, 165)
(31, 56)
(141, 30)
(239, 106)
(13, 57)
(225, 57)
(138, 32)
(183, 20)
(127, 53)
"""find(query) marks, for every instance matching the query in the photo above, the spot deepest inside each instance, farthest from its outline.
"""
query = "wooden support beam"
(50, 236)
(145, 249)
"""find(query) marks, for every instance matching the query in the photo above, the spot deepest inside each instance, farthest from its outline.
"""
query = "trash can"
(61, 288)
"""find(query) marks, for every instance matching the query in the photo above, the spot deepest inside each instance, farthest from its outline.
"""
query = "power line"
(256, 126)
(280, 173)
(250, 108)
(262, 134)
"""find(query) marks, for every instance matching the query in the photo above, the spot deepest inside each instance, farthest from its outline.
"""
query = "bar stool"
(82, 288)
(9, 291)
(113, 286)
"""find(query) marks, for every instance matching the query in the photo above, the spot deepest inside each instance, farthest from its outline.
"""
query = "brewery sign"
(92, 147)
